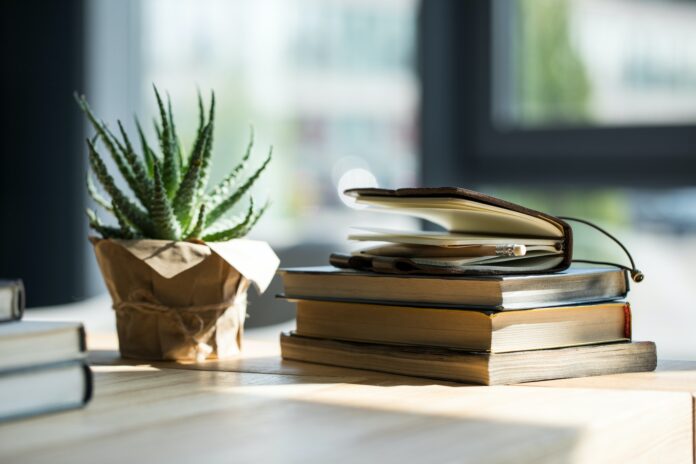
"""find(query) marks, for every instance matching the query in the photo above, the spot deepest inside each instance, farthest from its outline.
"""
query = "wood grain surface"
(258, 408)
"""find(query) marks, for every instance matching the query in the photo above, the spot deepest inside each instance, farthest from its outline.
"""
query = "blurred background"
(576, 107)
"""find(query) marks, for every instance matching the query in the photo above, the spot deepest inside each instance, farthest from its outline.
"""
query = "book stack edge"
(497, 341)
(495, 298)
(43, 365)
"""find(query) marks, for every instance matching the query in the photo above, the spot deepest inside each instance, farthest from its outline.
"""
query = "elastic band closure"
(636, 275)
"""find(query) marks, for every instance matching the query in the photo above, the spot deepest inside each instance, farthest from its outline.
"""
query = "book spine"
(88, 388)
(89, 383)
(628, 325)
(83, 338)
(12, 308)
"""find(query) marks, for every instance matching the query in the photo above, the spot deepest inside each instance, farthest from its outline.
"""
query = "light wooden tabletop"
(258, 408)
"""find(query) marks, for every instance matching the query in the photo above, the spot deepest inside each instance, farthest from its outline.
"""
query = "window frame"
(460, 145)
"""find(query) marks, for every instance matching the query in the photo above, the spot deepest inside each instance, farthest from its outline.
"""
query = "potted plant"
(176, 267)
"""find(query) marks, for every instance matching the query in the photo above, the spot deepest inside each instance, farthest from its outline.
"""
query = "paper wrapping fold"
(182, 300)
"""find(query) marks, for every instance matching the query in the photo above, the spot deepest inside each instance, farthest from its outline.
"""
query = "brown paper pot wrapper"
(181, 300)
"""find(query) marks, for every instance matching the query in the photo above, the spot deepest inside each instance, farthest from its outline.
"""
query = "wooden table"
(260, 409)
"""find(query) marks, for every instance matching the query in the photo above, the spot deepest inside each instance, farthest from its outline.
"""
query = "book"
(576, 285)
(482, 235)
(27, 343)
(476, 368)
(491, 331)
(11, 300)
(44, 388)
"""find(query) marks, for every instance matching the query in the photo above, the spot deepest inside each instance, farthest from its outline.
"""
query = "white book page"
(465, 216)
(442, 238)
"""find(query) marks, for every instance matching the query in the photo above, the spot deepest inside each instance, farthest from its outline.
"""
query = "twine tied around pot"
(182, 301)
(197, 323)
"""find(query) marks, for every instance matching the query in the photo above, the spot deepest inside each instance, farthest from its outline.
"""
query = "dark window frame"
(461, 146)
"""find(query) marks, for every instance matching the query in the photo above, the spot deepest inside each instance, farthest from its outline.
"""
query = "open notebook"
(483, 235)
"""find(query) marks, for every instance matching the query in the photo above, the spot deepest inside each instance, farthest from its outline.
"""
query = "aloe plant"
(170, 200)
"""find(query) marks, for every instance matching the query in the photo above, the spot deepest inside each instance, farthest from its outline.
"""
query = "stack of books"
(42, 364)
(437, 311)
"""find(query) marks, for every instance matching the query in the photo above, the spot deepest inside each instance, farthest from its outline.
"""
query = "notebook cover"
(408, 266)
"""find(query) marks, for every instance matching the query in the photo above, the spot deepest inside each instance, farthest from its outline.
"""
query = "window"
(594, 63)
(555, 92)
(401, 92)
(331, 84)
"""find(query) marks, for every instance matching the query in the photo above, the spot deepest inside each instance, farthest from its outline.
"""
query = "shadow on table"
(272, 365)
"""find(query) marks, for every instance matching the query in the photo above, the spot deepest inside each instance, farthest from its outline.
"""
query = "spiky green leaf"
(235, 231)
(255, 219)
(184, 201)
(201, 111)
(200, 223)
(148, 154)
(200, 132)
(163, 217)
(104, 230)
(175, 138)
(170, 158)
(96, 196)
(143, 185)
(223, 206)
(136, 217)
(158, 129)
(222, 189)
(112, 144)
(126, 231)
(207, 156)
